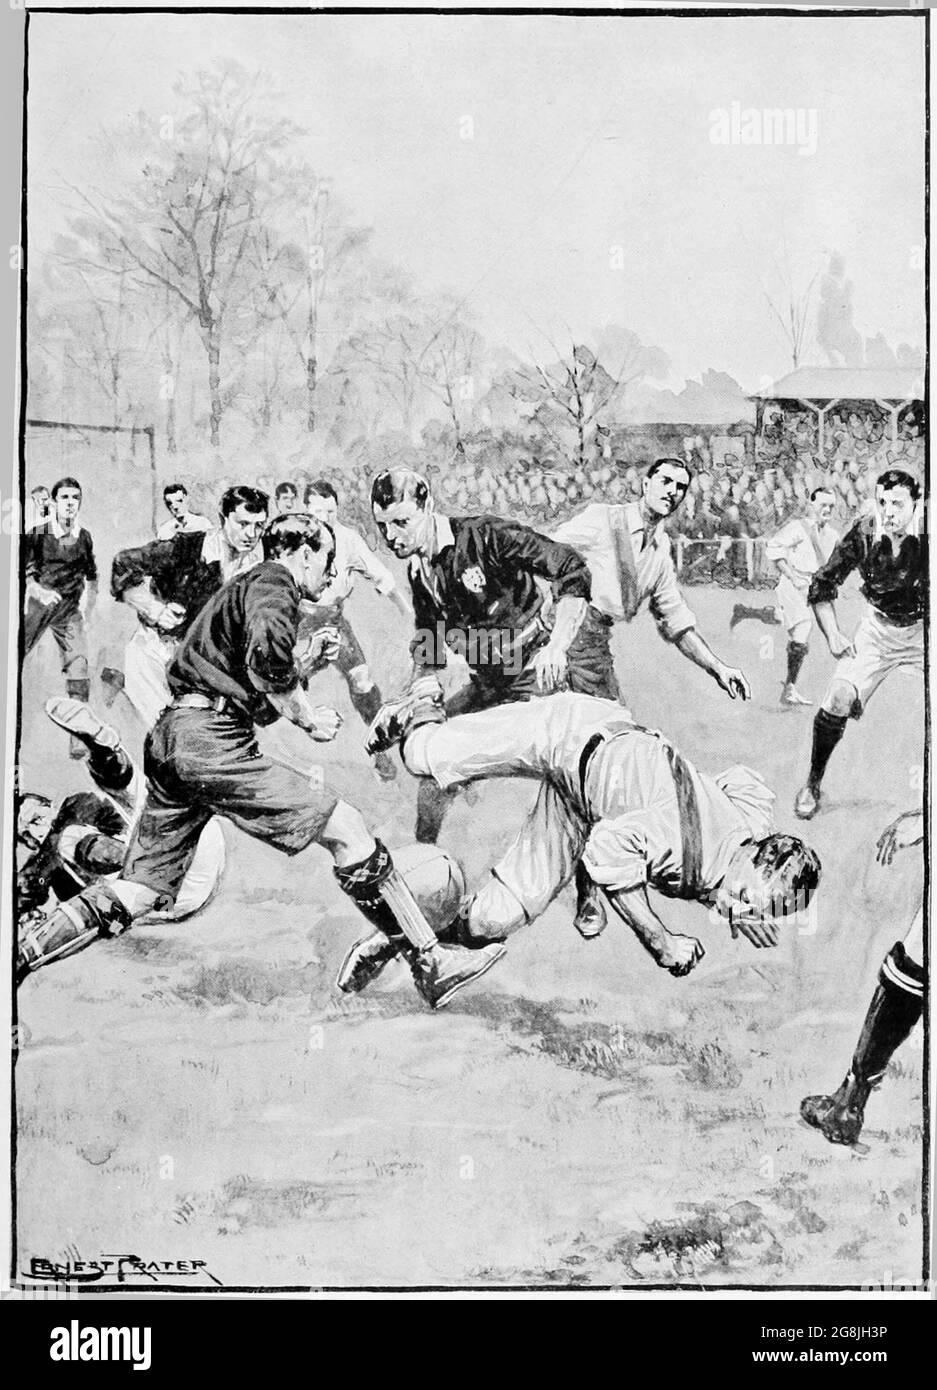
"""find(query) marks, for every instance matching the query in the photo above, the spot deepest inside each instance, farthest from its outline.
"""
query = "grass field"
(578, 1117)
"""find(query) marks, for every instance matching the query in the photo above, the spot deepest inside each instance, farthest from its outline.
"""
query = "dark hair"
(817, 490)
(284, 488)
(791, 868)
(321, 487)
(671, 463)
(396, 485)
(31, 796)
(66, 482)
(175, 487)
(40, 487)
(250, 497)
(286, 534)
(892, 477)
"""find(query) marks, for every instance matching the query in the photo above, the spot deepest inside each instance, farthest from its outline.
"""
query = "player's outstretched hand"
(733, 682)
(683, 954)
(170, 616)
(907, 830)
(759, 932)
(551, 666)
(319, 650)
(326, 725)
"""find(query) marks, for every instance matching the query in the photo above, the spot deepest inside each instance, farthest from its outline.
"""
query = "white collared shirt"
(422, 565)
(793, 544)
(590, 532)
(215, 549)
(192, 521)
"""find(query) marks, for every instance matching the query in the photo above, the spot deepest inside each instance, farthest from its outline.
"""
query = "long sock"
(828, 729)
(71, 927)
(796, 654)
(384, 897)
(366, 702)
(896, 1006)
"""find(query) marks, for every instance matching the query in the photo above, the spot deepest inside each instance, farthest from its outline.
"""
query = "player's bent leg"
(108, 763)
(383, 896)
(796, 656)
(539, 863)
(99, 910)
(896, 1007)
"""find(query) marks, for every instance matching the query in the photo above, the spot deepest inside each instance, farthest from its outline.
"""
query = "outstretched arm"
(673, 952)
(730, 678)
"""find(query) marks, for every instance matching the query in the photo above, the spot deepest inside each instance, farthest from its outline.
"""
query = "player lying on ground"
(236, 668)
(896, 1007)
(617, 797)
(85, 841)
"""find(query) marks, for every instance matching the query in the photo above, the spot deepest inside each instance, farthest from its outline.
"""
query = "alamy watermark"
(736, 124)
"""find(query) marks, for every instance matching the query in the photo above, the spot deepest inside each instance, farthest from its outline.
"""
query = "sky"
(555, 173)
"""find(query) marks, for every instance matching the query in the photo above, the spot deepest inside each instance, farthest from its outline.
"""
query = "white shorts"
(881, 647)
(146, 662)
(796, 613)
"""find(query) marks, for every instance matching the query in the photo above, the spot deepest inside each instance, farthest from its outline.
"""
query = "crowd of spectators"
(736, 497)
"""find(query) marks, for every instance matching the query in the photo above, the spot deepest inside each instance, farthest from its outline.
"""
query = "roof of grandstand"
(847, 384)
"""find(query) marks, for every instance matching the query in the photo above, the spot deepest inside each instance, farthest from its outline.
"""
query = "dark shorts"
(67, 626)
(590, 671)
(199, 764)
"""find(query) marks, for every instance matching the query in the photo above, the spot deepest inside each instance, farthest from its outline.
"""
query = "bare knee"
(346, 836)
(840, 699)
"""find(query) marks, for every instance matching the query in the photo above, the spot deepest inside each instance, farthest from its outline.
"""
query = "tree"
(186, 220)
(575, 399)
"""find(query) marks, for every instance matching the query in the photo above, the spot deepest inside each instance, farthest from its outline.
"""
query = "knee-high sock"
(828, 729)
(384, 897)
(796, 654)
(71, 927)
(432, 803)
(896, 1006)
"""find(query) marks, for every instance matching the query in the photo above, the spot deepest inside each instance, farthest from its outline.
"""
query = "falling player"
(61, 589)
(799, 549)
(895, 1008)
(889, 550)
(474, 585)
(617, 796)
(353, 557)
(236, 669)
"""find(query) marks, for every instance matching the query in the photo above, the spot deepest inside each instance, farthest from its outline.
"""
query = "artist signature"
(124, 1268)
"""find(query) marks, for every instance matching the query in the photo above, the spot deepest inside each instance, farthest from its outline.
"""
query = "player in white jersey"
(629, 557)
(181, 520)
(354, 558)
(623, 800)
(798, 549)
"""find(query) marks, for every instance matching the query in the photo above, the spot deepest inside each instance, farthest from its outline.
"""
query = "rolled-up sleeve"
(271, 621)
(669, 608)
(520, 547)
(827, 581)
